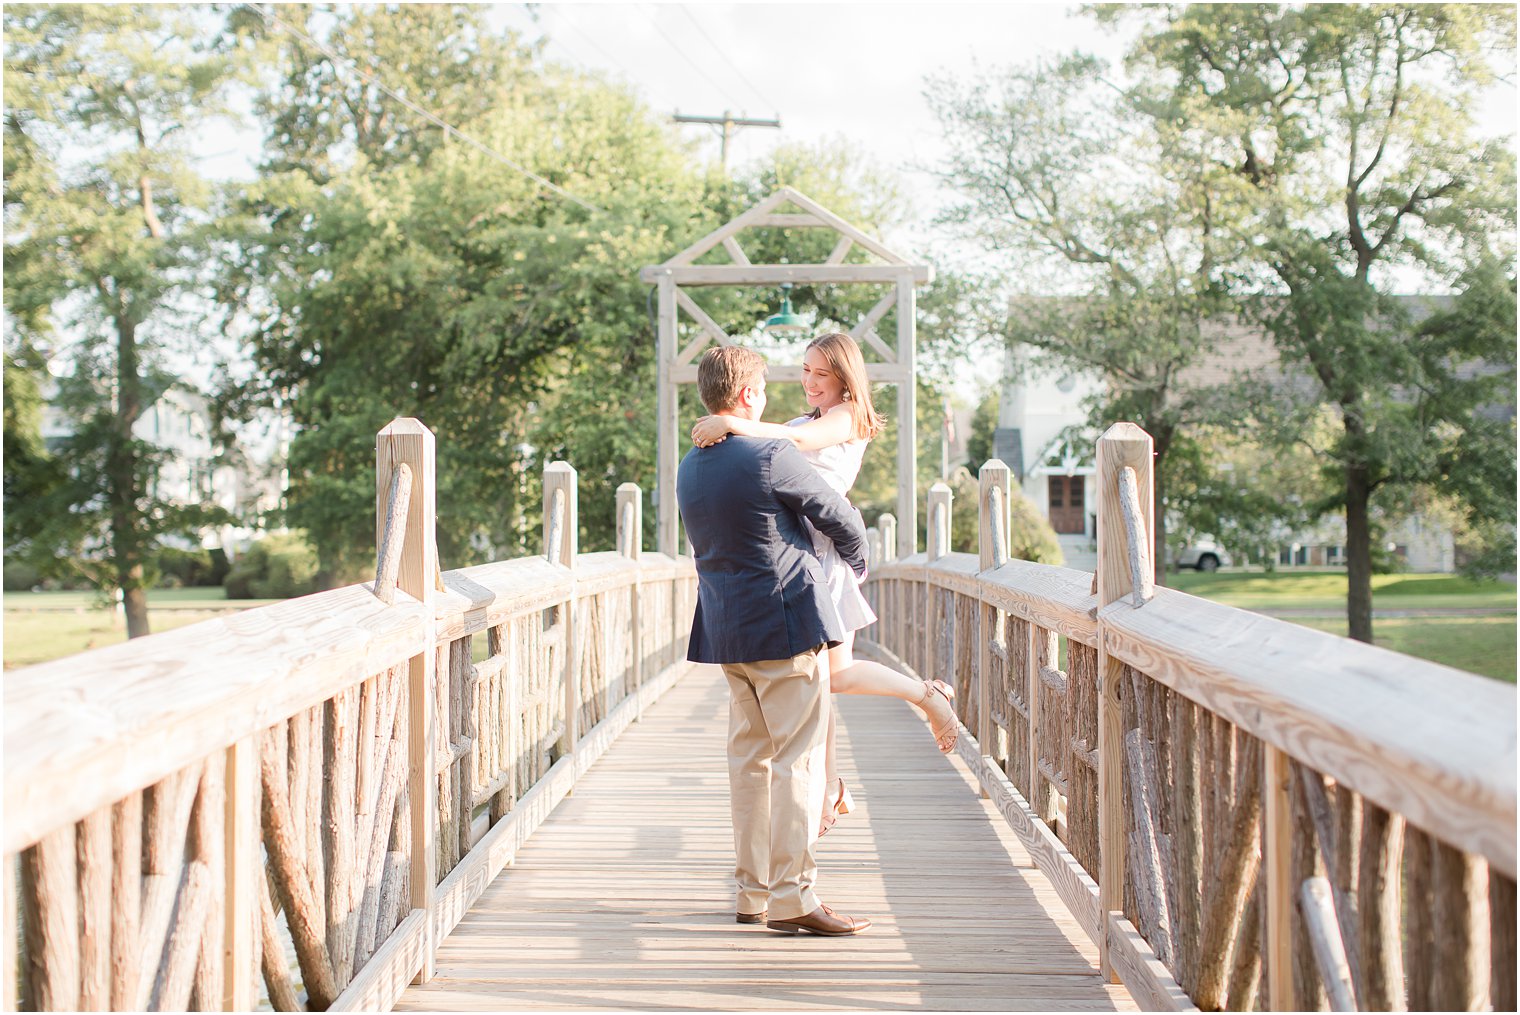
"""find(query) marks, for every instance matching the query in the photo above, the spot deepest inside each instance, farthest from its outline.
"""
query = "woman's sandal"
(843, 804)
(946, 735)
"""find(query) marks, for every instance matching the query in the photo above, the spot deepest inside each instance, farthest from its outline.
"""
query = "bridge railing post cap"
(1124, 432)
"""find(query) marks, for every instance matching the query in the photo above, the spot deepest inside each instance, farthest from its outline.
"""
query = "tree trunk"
(121, 479)
(1358, 551)
(134, 603)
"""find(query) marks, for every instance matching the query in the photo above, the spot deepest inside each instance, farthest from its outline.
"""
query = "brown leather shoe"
(822, 921)
(749, 917)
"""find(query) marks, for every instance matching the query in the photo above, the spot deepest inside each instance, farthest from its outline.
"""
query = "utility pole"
(726, 124)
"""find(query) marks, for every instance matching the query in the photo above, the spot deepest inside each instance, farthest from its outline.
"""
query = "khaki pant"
(777, 719)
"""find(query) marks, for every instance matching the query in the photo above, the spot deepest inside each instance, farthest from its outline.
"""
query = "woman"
(833, 437)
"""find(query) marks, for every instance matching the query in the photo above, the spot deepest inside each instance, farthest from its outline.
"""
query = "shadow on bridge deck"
(623, 898)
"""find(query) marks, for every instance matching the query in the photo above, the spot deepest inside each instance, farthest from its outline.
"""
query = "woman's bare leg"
(848, 675)
(830, 764)
(832, 792)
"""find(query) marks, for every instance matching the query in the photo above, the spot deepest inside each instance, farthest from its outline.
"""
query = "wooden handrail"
(331, 721)
(84, 731)
(1216, 725)
(1358, 713)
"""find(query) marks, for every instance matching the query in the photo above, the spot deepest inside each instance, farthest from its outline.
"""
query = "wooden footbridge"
(501, 787)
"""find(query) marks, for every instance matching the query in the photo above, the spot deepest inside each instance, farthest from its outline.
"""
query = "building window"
(1068, 507)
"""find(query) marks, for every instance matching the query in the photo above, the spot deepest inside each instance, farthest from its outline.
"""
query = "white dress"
(839, 465)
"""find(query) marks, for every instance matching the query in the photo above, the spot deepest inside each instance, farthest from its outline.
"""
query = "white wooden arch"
(676, 366)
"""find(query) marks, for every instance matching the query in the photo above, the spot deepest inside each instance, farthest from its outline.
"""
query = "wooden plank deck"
(624, 897)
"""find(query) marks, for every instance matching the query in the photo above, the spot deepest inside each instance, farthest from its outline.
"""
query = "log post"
(93, 845)
(1231, 874)
(1124, 445)
(561, 544)
(887, 523)
(244, 874)
(1501, 916)
(992, 551)
(992, 515)
(630, 543)
(1329, 951)
(408, 441)
(1419, 919)
(339, 755)
(1379, 908)
(1460, 980)
(290, 880)
(938, 538)
(126, 900)
(890, 613)
(50, 909)
(936, 545)
(1041, 652)
(1277, 864)
(10, 978)
(209, 844)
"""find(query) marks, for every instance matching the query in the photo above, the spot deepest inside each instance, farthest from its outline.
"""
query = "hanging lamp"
(785, 322)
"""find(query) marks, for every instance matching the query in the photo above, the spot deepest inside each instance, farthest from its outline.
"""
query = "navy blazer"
(760, 588)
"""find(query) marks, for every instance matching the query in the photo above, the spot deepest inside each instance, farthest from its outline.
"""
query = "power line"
(684, 56)
(564, 19)
(731, 65)
(448, 128)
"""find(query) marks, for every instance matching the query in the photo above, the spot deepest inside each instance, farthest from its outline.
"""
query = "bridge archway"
(677, 361)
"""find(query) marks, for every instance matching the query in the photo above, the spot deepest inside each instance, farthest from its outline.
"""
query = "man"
(764, 614)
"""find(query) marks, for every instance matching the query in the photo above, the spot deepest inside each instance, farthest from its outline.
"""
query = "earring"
(846, 396)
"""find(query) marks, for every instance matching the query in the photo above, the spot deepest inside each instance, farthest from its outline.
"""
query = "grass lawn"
(158, 599)
(1254, 590)
(40, 626)
(1482, 645)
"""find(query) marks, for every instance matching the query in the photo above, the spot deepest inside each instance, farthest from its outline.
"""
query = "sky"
(851, 72)
(827, 71)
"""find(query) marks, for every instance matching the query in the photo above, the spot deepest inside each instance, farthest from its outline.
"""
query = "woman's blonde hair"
(842, 354)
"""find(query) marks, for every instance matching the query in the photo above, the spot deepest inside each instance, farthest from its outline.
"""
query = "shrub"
(1030, 536)
(20, 576)
(191, 568)
(275, 567)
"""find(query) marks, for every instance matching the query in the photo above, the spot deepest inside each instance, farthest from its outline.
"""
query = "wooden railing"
(326, 783)
(1240, 811)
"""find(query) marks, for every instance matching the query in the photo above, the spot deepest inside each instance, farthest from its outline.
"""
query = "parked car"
(1204, 555)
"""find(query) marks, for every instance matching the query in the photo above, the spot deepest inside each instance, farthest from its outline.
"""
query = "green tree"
(983, 426)
(427, 278)
(107, 225)
(1352, 128)
(1249, 495)
(1078, 193)
(30, 471)
(325, 109)
(436, 280)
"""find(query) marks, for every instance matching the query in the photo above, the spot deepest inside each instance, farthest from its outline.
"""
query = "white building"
(247, 483)
(1041, 436)
(1039, 413)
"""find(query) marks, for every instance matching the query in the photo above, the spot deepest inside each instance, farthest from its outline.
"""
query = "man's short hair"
(726, 371)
